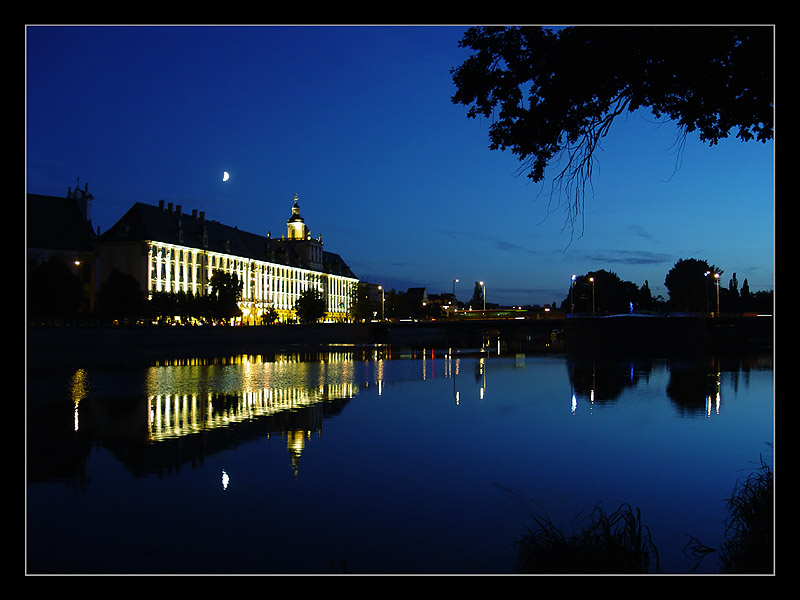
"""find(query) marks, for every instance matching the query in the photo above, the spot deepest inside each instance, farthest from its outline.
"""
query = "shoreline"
(69, 346)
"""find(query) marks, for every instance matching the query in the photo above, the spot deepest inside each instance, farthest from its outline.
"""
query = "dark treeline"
(694, 286)
(55, 293)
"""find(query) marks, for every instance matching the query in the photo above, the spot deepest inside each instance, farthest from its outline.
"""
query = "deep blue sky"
(359, 123)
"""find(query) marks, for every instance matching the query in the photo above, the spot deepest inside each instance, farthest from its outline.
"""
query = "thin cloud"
(641, 232)
(631, 257)
(498, 243)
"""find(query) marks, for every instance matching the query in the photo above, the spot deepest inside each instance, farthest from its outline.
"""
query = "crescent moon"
(225, 176)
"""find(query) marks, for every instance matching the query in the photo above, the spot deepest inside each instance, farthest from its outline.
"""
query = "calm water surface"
(379, 460)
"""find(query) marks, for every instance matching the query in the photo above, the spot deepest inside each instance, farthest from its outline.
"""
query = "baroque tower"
(295, 227)
(300, 236)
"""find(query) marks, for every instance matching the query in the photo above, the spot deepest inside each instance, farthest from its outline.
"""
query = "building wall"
(173, 268)
(128, 257)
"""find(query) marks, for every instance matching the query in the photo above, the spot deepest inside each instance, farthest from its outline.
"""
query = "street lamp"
(571, 298)
(592, 280)
(716, 277)
(483, 285)
(383, 300)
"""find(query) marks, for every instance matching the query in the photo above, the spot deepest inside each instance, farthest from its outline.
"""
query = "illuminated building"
(167, 250)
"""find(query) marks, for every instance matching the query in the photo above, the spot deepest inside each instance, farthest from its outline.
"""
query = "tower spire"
(295, 227)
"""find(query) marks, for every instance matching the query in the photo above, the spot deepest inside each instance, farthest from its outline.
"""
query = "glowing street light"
(571, 298)
(483, 285)
(592, 280)
(383, 302)
(716, 277)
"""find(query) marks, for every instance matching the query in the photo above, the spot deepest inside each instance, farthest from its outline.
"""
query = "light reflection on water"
(184, 396)
(390, 460)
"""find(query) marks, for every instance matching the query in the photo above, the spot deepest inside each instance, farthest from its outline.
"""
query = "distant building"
(61, 228)
(167, 250)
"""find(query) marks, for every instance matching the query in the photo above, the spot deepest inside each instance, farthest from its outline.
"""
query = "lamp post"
(592, 280)
(383, 299)
(571, 297)
(483, 285)
(716, 276)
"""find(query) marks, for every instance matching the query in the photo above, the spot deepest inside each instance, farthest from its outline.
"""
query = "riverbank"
(109, 346)
(77, 346)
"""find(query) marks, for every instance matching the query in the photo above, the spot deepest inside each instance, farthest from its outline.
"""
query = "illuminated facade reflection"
(186, 410)
(189, 396)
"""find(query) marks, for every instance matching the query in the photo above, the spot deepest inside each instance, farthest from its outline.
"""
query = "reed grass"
(605, 543)
(619, 543)
(750, 525)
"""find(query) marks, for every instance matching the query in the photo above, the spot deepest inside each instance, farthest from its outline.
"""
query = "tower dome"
(295, 227)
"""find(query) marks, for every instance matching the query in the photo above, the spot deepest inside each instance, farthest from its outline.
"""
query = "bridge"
(618, 333)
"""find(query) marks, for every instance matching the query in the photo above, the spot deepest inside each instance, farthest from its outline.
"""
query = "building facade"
(61, 228)
(167, 250)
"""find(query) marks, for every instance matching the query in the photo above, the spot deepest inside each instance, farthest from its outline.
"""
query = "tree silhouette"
(555, 94)
(270, 315)
(476, 302)
(226, 291)
(604, 289)
(121, 297)
(53, 290)
(310, 306)
(690, 283)
(362, 307)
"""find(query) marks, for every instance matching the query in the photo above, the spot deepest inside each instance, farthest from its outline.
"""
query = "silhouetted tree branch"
(553, 95)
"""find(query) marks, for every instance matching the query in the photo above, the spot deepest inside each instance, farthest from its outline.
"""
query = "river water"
(376, 459)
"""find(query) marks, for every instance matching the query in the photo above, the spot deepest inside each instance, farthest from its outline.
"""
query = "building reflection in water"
(264, 388)
(283, 393)
(190, 409)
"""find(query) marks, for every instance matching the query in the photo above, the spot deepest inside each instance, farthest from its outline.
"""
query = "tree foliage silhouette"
(121, 297)
(690, 283)
(553, 95)
(310, 306)
(53, 290)
(226, 291)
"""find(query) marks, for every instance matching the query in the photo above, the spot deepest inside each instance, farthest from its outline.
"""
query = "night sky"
(358, 122)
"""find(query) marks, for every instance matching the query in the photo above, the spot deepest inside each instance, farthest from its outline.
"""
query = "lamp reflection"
(78, 387)
(225, 480)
